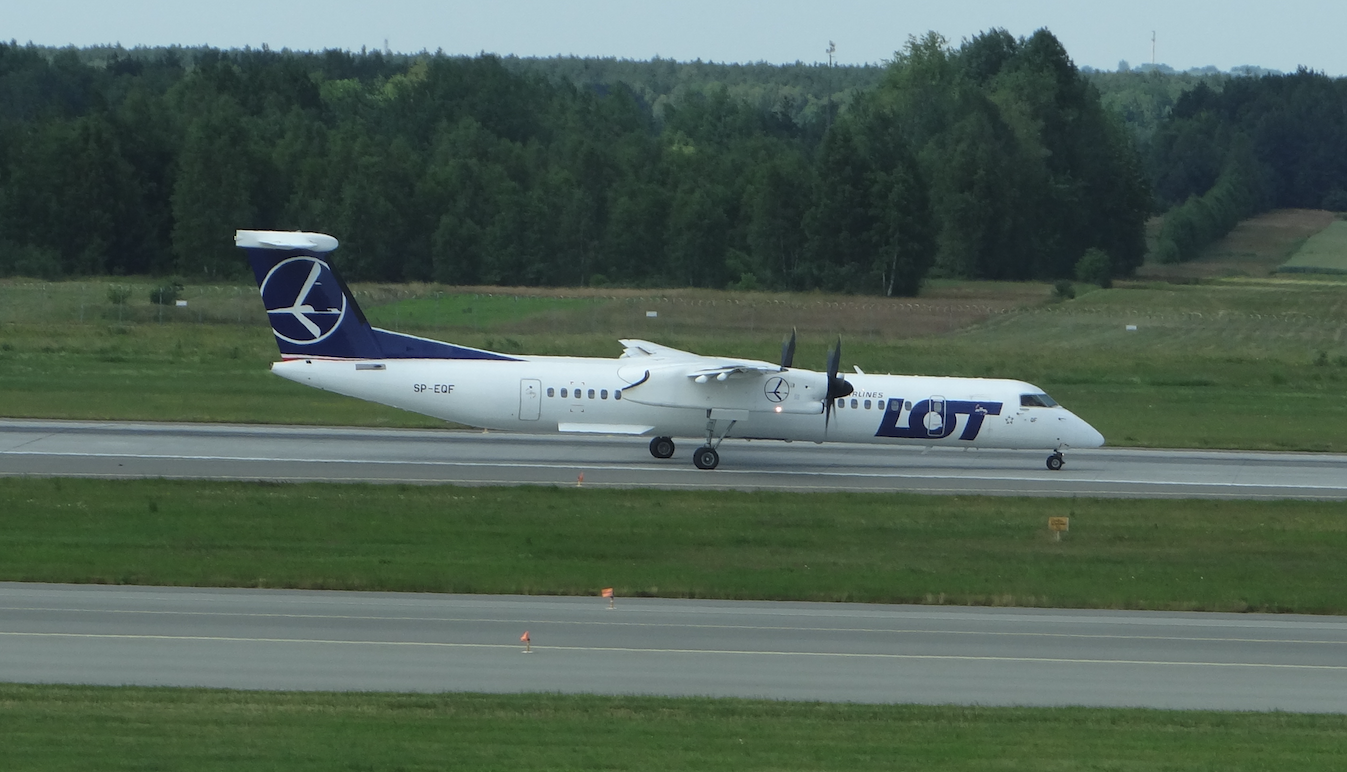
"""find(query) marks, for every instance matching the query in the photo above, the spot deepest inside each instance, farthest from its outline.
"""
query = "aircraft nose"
(1087, 436)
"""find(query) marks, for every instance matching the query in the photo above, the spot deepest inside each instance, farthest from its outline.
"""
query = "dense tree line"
(994, 159)
(1252, 145)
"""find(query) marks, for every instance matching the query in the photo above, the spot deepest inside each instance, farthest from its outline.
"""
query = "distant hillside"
(1324, 252)
(1254, 247)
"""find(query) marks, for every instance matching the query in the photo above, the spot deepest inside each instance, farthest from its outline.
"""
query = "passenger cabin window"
(617, 394)
(591, 394)
(603, 394)
(854, 404)
(867, 404)
(1036, 400)
(563, 393)
(551, 392)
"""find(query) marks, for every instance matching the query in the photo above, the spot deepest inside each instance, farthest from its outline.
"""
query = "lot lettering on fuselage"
(927, 419)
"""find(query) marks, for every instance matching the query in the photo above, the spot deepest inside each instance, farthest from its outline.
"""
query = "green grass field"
(1324, 252)
(892, 548)
(68, 727)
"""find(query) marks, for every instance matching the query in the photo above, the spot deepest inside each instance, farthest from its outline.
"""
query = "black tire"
(662, 447)
(706, 457)
(1055, 461)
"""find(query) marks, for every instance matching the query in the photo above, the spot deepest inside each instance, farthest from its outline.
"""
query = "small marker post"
(579, 481)
(1057, 525)
(608, 593)
(528, 642)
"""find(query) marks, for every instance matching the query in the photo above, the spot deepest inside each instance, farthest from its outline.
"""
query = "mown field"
(1255, 248)
(1236, 363)
(878, 548)
(70, 727)
(1324, 252)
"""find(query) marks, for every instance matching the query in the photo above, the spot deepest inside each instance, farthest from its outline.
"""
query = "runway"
(304, 640)
(203, 451)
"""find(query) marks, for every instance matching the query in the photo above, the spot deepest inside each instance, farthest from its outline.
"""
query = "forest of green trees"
(997, 158)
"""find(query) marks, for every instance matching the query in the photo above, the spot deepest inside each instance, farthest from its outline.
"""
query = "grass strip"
(114, 728)
(869, 547)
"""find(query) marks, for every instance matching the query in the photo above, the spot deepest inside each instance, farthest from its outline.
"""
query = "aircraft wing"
(636, 349)
(695, 366)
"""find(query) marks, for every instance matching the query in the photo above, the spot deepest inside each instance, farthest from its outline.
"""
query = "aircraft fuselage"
(546, 395)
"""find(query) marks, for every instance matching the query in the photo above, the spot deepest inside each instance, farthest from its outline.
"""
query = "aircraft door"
(935, 417)
(530, 399)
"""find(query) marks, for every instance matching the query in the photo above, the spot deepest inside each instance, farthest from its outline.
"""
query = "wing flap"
(572, 428)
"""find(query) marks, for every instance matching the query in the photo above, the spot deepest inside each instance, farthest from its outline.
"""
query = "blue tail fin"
(314, 314)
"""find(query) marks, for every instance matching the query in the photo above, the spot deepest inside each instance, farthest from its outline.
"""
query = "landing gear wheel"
(662, 447)
(706, 457)
(1055, 461)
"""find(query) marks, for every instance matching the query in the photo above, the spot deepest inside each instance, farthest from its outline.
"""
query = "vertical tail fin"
(312, 311)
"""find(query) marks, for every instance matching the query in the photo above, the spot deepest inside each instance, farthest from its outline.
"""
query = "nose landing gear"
(1055, 461)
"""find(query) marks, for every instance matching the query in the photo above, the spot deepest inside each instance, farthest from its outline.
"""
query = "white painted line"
(713, 652)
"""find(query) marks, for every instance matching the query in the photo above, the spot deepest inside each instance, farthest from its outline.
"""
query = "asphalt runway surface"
(307, 640)
(226, 452)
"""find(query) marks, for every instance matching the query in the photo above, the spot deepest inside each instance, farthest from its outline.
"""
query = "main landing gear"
(1055, 461)
(662, 447)
(706, 457)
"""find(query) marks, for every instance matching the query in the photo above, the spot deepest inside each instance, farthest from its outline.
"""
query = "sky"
(1278, 35)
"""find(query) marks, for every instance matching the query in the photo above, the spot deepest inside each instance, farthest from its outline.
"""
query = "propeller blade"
(788, 350)
(834, 388)
(834, 361)
(837, 387)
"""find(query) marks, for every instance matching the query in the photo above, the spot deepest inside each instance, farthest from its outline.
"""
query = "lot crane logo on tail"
(303, 299)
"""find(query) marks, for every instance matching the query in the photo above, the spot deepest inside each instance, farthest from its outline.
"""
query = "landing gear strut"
(706, 456)
(1055, 461)
(662, 447)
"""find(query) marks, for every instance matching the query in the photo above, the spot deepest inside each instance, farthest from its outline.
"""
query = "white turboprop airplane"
(650, 391)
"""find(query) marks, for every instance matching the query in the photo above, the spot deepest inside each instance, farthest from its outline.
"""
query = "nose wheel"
(1055, 462)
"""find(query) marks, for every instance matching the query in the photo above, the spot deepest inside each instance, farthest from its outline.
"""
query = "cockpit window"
(1037, 400)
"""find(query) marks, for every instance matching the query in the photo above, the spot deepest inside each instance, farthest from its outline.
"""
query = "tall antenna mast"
(832, 49)
(1152, 48)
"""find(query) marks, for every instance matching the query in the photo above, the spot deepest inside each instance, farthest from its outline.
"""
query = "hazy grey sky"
(1280, 34)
